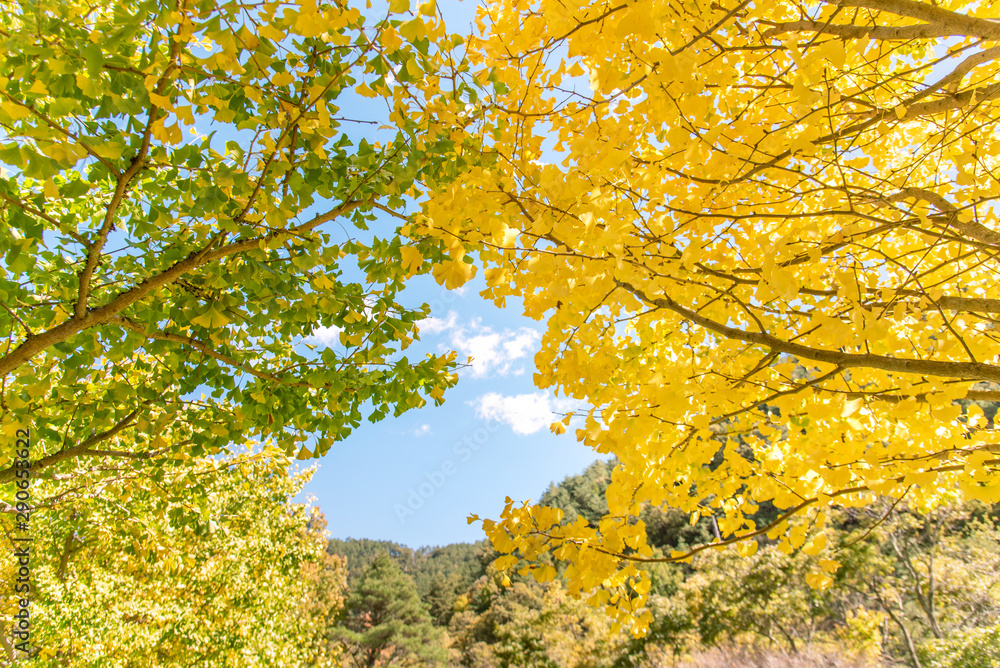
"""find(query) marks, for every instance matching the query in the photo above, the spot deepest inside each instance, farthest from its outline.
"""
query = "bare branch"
(921, 31)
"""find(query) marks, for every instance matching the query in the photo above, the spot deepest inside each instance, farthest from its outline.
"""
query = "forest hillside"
(924, 590)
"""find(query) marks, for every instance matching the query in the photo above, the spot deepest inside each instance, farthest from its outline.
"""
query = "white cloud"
(522, 343)
(492, 353)
(437, 325)
(483, 347)
(326, 336)
(524, 413)
(422, 430)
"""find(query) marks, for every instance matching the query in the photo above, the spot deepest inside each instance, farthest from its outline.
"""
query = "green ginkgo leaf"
(211, 318)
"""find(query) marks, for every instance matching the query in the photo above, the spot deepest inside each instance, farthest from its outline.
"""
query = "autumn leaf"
(453, 273)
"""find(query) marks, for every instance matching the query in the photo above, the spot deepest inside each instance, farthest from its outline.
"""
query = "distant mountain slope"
(720, 604)
(584, 495)
(443, 574)
(440, 574)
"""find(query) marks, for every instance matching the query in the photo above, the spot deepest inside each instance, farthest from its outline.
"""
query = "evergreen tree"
(582, 494)
(385, 623)
(441, 574)
(361, 552)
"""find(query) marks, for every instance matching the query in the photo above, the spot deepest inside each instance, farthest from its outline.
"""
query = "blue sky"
(414, 479)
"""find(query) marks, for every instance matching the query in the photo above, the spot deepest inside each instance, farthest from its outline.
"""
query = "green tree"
(327, 585)
(361, 552)
(441, 574)
(974, 648)
(385, 623)
(186, 202)
(582, 495)
(762, 597)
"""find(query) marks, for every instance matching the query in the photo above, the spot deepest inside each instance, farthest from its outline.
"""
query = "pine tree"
(384, 621)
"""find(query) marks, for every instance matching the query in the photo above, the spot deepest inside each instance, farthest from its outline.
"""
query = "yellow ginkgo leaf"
(829, 565)
(270, 32)
(14, 110)
(161, 101)
(413, 30)
(364, 90)
(819, 581)
(412, 259)
(453, 274)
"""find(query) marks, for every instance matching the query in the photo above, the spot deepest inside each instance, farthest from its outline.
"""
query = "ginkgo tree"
(187, 197)
(134, 576)
(764, 237)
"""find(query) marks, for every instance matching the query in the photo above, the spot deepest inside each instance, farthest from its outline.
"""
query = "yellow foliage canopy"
(764, 237)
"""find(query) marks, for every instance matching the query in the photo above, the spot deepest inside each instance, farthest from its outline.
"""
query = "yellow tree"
(764, 239)
(140, 573)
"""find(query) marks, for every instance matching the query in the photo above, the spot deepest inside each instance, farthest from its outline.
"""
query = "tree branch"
(32, 345)
(921, 31)
(201, 347)
(94, 254)
(962, 370)
(959, 24)
(7, 474)
(950, 102)
(971, 229)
